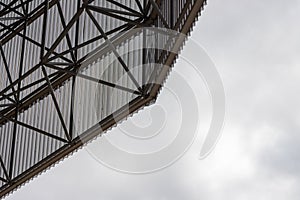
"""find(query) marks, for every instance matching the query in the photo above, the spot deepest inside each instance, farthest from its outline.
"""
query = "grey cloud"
(255, 46)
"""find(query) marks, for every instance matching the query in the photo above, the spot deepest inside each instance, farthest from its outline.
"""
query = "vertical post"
(144, 57)
(71, 126)
(13, 142)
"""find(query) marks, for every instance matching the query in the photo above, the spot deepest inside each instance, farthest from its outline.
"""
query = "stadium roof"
(71, 71)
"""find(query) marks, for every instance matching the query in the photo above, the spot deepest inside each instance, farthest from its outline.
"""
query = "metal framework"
(47, 50)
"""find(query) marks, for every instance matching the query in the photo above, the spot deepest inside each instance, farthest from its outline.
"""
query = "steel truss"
(38, 62)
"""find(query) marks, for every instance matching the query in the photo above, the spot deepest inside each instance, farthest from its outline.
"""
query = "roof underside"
(70, 71)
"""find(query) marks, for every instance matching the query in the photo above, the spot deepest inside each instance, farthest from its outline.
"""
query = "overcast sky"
(255, 46)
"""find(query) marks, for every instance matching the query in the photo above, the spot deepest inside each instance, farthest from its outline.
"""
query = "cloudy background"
(255, 46)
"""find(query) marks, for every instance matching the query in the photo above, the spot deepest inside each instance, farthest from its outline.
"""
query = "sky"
(255, 47)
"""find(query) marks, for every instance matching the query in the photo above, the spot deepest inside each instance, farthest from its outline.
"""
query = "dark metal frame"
(11, 104)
